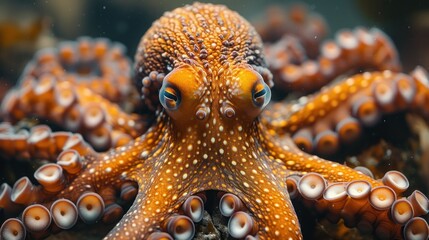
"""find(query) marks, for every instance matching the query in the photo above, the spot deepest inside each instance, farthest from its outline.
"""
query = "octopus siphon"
(200, 133)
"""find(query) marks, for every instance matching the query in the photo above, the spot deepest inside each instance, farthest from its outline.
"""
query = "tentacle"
(308, 26)
(351, 51)
(115, 168)
(341, 112)
(103, 124)
(75, 185)
(370, 209)
(157, 194)
(96, 64)
(42, 144)
(338, 191)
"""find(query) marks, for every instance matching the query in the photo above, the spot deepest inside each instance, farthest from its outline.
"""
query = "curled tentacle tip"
(12, 229)
(311, 186)
(36, 218)
(91, 207)
(64, 213)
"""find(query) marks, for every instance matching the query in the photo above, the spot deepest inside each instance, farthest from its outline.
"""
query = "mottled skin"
(207, 134)
(182, 155)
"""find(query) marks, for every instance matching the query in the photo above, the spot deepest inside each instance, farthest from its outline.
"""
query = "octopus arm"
(351, 50)
(158, 199)
(89, 183)
(265, 194)
(40, 143)
(76, 108)
(118, 167)
(339, 192)
(338, 115)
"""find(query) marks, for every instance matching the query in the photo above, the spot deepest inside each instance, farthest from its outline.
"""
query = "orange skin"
(189, 155)
(208, 134)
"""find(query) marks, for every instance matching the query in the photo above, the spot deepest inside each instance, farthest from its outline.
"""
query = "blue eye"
(169, 98)
(261, 95)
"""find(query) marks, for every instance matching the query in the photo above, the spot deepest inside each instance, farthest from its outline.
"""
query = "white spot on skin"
(144, 154)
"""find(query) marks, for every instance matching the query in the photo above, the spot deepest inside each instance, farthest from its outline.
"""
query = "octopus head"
(190, 94)
(213, 63)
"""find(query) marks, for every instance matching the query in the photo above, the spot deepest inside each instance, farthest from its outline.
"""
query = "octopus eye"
(170, 98)
(261, 94)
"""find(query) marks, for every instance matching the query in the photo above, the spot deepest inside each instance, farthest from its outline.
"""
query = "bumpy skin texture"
(202, 69)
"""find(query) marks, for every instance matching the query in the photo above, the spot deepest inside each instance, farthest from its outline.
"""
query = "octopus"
(203, 135)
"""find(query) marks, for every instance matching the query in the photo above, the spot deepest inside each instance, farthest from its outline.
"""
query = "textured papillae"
(213, 150)
(211, 38)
